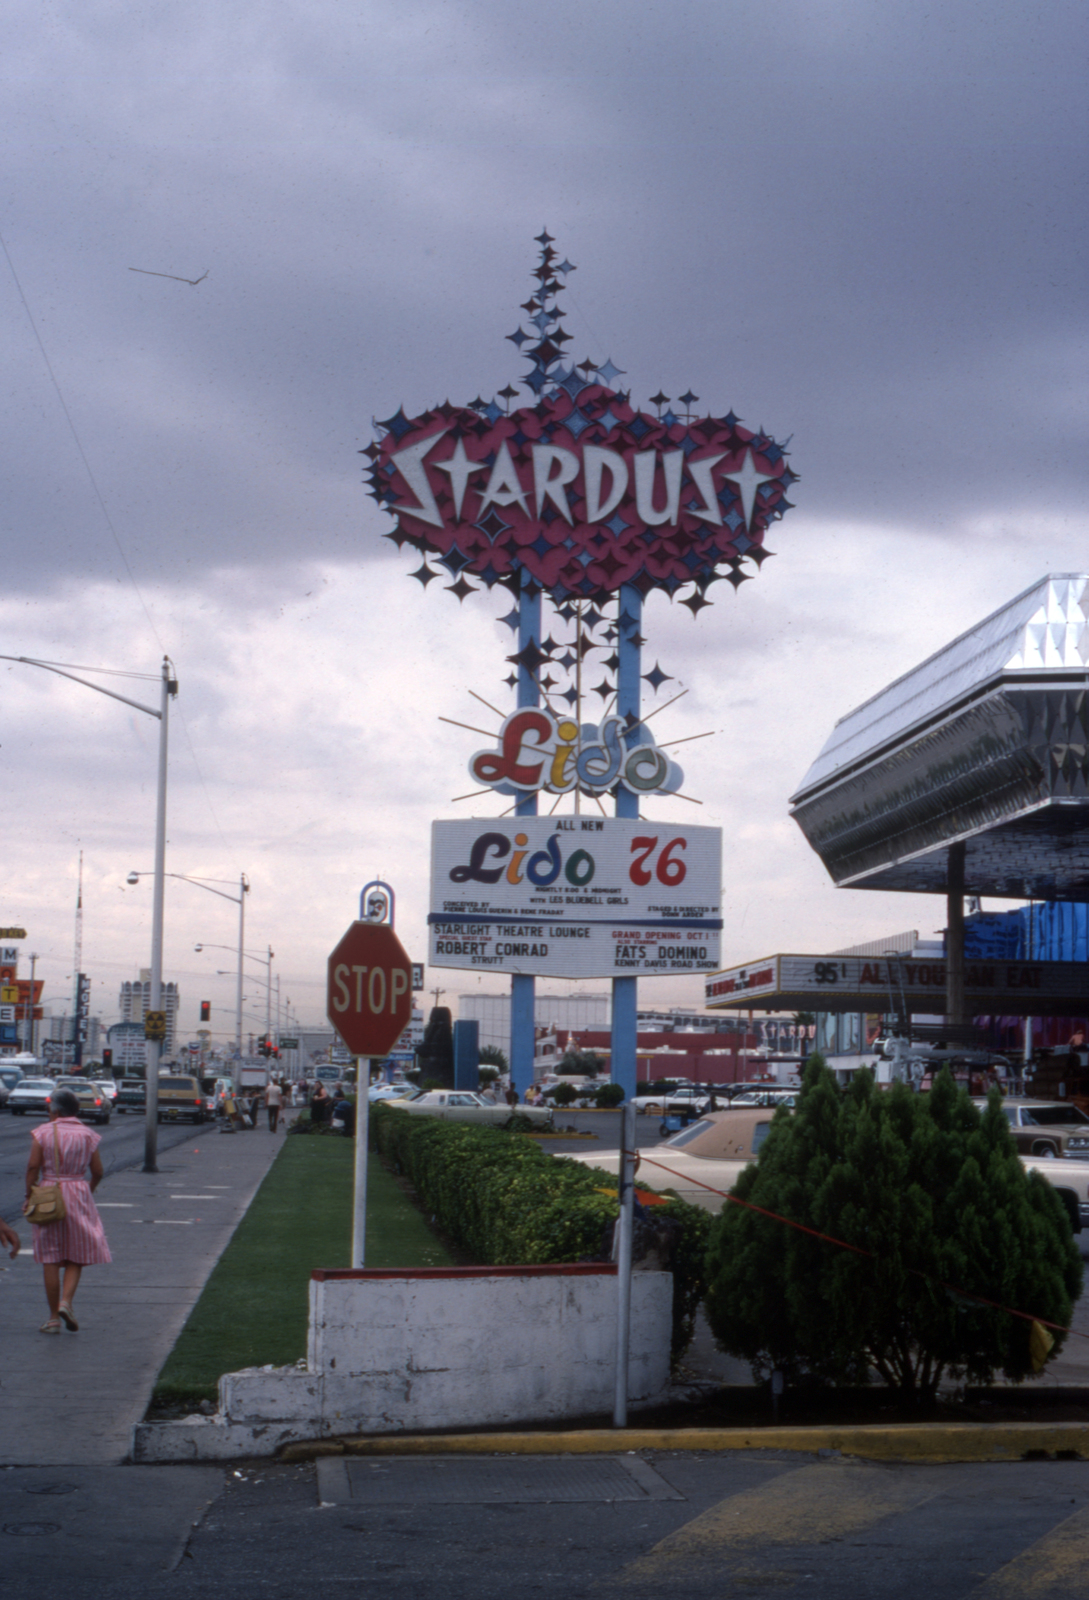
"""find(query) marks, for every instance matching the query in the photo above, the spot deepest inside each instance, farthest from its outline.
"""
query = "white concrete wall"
(458, 1351)
(443, 1349)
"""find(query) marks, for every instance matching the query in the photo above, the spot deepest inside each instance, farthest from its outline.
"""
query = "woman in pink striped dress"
(79, 1240)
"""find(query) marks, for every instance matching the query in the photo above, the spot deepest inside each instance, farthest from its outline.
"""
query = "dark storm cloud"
(857, 223)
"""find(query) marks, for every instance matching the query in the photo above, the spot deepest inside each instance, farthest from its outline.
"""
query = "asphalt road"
(122, 1146)
(696, 1525)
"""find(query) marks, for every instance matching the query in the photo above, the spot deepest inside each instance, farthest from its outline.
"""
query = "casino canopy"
(985, 743)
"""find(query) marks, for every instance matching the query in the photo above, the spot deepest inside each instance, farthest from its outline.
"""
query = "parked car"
(1070, 1181)
(688, 1098)
(31, 1095)
(131, 1096)
(93, 1104)
(703, 1162)
(389, 1091)
(461, 1105)
(107, 1086)
(1046, 1128)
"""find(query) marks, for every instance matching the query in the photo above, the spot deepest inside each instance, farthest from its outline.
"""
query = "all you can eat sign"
(575, 897)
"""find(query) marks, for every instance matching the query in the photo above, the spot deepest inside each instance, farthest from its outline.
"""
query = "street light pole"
(160, 875)
(169, 688)
(268, 993)
(243, 887)
(154, 1046)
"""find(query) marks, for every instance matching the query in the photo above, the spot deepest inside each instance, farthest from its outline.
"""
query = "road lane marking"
(1056, 1567)
(807, 1506)
(194, 1197)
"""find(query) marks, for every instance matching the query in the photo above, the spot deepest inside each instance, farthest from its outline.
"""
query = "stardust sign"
(575, 897)
(581, 491)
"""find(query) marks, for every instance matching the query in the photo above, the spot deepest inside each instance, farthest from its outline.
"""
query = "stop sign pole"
(369, 1003)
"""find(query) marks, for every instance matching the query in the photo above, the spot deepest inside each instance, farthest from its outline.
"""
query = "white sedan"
(462, 1105)
(389, 1091)
(669, 1100)
(702, 1162)
(32, 1095)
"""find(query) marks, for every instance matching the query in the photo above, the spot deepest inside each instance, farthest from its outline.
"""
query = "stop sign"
(369, 997)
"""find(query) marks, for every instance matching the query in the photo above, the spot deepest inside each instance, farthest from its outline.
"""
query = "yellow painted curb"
(908, 1441)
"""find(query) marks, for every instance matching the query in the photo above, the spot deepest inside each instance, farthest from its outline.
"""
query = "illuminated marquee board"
(575, 897)
(863, 983)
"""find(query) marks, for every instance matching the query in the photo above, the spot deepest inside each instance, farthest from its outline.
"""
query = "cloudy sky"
(858, 223)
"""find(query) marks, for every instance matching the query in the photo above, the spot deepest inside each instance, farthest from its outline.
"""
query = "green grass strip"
(254, 1308)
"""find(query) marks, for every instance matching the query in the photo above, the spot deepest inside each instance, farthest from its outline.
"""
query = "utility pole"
(33, 1029)
(77, 973)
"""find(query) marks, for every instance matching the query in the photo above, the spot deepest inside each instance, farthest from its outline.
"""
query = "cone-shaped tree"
(933, 1197)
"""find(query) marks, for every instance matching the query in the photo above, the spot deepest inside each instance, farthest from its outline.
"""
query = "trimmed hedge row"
(507, 1203)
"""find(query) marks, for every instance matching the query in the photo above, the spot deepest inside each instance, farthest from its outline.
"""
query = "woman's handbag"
(45, 1202)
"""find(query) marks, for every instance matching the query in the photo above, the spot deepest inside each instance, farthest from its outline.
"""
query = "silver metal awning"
(986, 742)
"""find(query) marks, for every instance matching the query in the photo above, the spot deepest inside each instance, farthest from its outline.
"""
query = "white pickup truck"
(704, 1161)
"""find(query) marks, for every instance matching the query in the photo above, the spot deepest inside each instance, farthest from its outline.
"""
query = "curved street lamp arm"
(181, 877)
(29, 661)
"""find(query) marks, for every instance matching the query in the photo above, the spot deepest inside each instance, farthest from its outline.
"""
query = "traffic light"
(206, 1011)
(107, 1060)
(265, 1047)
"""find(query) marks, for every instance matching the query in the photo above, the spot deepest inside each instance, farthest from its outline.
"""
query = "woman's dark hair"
(64, 1101)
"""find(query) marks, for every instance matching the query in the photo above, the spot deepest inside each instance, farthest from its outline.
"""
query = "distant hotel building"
(135, 1002)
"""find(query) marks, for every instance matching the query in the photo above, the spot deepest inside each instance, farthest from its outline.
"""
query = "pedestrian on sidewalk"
(274, 1099)
(61, 1151)
(321, 1104)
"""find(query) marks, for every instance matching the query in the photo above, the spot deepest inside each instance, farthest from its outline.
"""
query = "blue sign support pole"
(523, 990)
(625, 1000)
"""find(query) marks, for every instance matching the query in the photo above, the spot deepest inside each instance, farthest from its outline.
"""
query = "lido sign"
(575, 897)
(538, 751)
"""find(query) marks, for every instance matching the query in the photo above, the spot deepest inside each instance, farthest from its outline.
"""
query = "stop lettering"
(369, 993)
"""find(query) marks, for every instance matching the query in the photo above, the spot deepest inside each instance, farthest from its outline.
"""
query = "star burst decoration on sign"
(578, 492)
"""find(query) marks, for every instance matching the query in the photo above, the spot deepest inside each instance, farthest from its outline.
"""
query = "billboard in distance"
(575, 897)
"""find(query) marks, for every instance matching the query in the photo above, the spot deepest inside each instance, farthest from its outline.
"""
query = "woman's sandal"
(52, 1326)
(67, 1318)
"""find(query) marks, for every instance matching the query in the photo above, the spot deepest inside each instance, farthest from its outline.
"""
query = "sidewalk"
(72, 1399)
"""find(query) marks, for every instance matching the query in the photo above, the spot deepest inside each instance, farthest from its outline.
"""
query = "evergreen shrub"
(505, 1202)
(934, 1194)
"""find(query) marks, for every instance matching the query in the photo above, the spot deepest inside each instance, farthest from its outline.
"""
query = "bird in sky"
(173, 275)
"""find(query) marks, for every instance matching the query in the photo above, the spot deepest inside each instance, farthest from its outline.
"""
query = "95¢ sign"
(575, 897)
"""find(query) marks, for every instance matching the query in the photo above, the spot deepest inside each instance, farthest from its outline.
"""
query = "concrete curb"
(909, 1441)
